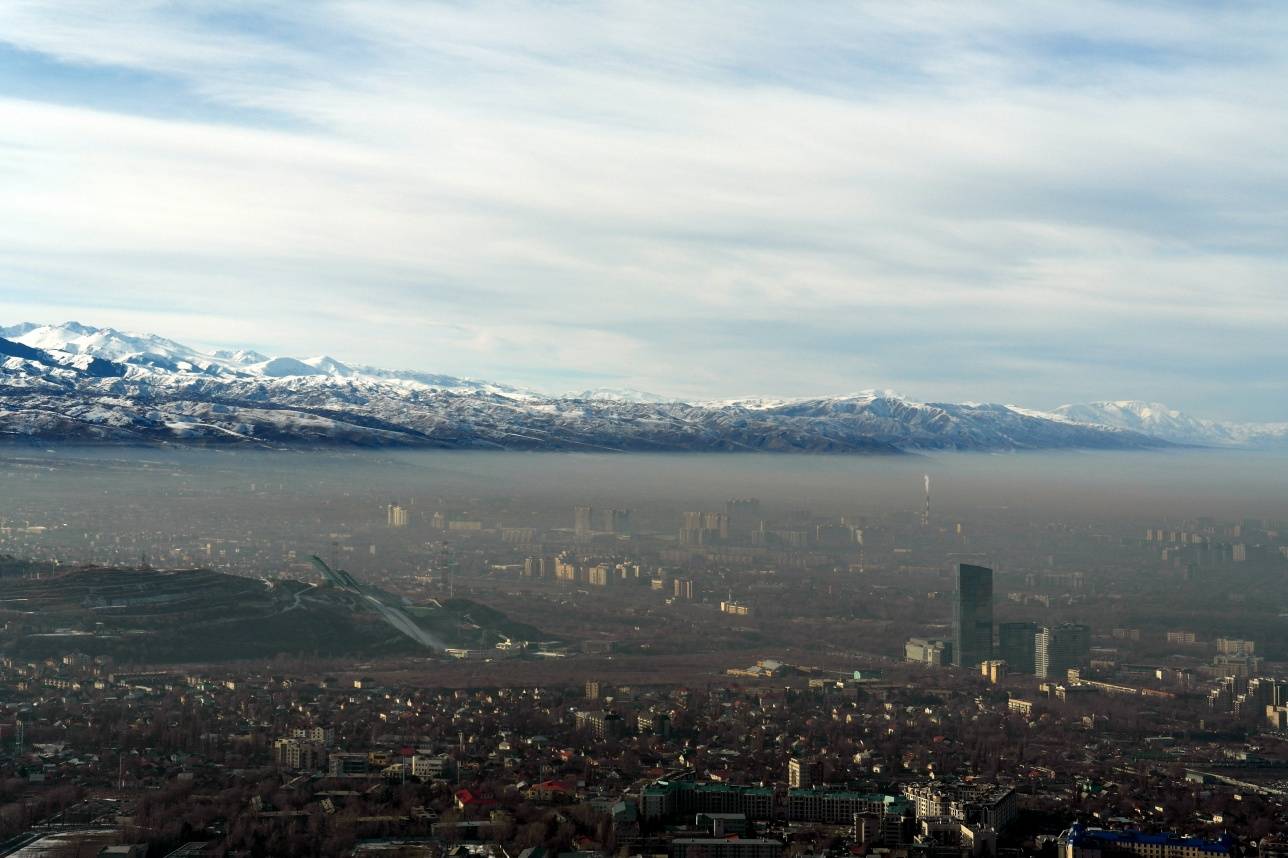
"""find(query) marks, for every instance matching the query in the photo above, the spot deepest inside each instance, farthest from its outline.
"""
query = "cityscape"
(608, 429)
(502, 670)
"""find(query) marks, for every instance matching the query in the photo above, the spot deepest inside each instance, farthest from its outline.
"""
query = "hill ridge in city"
(200, 614)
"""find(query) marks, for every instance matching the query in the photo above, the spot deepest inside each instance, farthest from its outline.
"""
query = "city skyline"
(422, 644)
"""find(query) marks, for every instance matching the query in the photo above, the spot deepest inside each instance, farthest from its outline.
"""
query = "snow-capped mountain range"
(1159, 421)
(76, 383)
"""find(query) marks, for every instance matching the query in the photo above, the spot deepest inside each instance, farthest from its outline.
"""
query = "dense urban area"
(206, 659)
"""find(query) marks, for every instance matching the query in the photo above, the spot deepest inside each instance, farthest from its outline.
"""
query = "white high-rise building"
(1058, 648)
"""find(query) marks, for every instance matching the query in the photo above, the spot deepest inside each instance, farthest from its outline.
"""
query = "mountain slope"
(1159, 421)
(75, 383)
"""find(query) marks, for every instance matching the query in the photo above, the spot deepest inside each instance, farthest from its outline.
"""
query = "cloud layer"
(1023, 202)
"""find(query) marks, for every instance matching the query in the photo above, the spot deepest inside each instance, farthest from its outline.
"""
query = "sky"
(1030, 202)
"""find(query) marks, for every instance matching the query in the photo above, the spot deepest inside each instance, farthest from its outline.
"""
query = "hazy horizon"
(1179, 483)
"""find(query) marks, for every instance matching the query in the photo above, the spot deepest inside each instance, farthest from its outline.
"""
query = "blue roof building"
(1082, 842)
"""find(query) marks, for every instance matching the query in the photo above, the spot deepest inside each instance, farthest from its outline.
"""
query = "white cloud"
(637, 190)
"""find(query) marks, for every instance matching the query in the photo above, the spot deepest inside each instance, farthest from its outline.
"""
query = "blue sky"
(1027, 202)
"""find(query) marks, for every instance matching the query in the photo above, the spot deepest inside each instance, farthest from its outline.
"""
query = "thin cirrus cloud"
(1022, 202)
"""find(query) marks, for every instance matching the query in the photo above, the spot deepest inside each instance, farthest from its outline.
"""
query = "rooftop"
(1080, 836)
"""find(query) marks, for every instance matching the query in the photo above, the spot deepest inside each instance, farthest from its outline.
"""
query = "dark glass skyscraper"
(973, 615)
(1015, 646)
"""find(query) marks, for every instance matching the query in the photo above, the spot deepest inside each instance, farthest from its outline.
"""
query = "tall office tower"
(1058, 648)
(973, 615)
(593, 689)
(397, 515)
(617, 520)
(582, 518)
(1016, 644)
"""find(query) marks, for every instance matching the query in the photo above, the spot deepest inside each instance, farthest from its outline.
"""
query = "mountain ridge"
(76, 383)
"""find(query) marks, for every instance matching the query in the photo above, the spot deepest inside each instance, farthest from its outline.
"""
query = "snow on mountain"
(281, 367)
(758, 403)
(106, 343)
(14, 331)
(152, 353)
(242, 357)
(328, 365)
(76, 383)
(431, 381)
(621, 394)
(1160, 421)
(1150, 418)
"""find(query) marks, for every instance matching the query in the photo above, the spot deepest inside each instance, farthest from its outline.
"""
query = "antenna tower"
(925, 512)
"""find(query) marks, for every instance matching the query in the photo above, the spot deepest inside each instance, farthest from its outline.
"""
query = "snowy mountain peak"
(14, 331)
(329, 366)
(862, 397)
(243, 357)
(1161, 421)
(1140, 408)
(106, 343)
(622, 394)
(282, 367)
(1137, 415)
(74, 382)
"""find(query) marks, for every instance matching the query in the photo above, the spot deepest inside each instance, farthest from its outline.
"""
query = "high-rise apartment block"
(299, 754)
(567, 568)
(1235, 646)
(583, 518)
(617, 521)
(1058, 648)
(539, 567)
(803, 773)
(704, 528)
